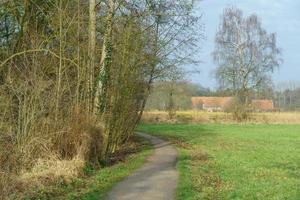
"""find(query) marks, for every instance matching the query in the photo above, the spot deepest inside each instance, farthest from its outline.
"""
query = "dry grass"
(194, 116)
(5, 180)
(45, 172)
(55, 178)
(46, 158)
(54, 168)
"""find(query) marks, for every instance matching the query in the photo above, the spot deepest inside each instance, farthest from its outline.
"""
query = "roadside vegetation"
(75, 77)
(92, 183)
(235, 161)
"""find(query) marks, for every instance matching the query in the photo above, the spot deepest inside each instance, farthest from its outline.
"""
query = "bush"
(83, 138)
(241, 114)
(43, 159)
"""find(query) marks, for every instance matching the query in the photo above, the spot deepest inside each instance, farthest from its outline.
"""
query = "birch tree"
(246, 54)
(91, 53)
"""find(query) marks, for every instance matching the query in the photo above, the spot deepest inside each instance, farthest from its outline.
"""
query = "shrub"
(241, 114)
(83, 138)
(49, 156)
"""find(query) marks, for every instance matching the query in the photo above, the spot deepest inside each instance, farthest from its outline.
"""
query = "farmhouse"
(262, 105)
(212, 104)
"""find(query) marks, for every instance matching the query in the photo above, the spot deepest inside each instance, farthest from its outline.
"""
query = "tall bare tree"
(245, 53)
(91, 51)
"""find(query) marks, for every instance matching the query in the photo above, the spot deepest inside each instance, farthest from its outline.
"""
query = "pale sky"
(280, 16)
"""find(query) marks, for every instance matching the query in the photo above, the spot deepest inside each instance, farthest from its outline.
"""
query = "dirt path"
(155, 180)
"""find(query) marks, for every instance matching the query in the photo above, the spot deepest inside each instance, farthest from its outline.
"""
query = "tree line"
(245, 55)
(285, 96)
(74, 69)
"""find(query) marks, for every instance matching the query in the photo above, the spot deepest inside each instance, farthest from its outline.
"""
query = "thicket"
(75, 77)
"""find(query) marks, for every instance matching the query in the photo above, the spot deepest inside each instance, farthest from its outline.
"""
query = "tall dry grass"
(51, 156)
(196, 116)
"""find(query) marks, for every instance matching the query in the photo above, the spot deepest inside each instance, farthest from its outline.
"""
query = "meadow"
(198, 116)
(235, 161)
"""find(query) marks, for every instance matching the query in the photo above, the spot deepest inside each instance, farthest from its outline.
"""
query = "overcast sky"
(279, 16)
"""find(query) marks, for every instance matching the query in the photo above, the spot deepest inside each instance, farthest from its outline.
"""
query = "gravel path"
(155, 180)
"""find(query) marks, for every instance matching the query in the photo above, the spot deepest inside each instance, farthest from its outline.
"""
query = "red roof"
(212, 101)
(263, 104)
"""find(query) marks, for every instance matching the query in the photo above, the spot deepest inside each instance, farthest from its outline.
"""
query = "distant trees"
(174, 95)
(287, 96)
(245, 53)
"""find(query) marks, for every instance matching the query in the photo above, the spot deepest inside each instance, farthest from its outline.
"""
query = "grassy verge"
(235, 161)
(203, 117)
(99, 182)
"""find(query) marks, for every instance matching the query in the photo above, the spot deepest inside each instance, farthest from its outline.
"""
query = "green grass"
(96, 186)
(235, 161)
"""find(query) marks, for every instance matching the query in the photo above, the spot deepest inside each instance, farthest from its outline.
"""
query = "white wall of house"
(211, 108)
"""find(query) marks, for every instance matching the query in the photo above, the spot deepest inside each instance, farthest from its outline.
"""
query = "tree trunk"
(59, 70)
(91, 53)
(102, 99)
(103, 81)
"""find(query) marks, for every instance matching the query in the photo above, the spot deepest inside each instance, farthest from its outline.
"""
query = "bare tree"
(106, 60)
(245, 53)
(92, 49)
(58, 64)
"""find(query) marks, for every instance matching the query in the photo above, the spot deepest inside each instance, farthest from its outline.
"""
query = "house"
(213, 104)
(262, 105)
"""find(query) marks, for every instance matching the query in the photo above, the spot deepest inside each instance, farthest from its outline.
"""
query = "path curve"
(155, 180)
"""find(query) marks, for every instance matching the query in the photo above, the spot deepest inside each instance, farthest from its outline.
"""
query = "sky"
(279, 16)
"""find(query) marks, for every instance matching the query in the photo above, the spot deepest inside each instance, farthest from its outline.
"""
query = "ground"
(235, 161)
(95, 184)
(226, 162)
(155, 180)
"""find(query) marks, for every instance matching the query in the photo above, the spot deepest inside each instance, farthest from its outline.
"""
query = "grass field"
(226, 162)
(203, 117)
